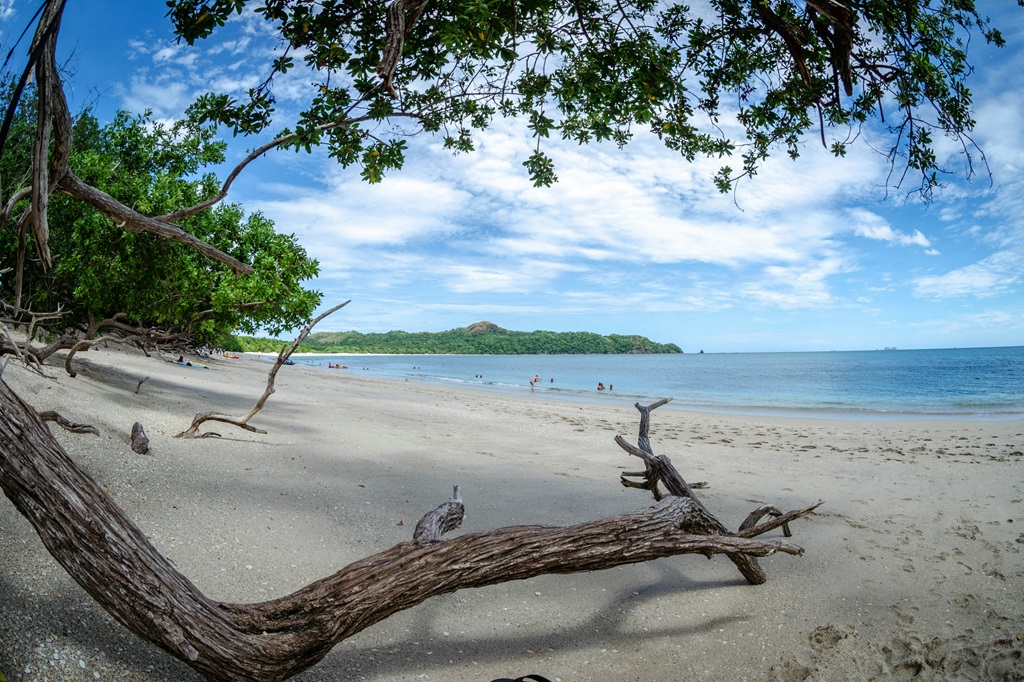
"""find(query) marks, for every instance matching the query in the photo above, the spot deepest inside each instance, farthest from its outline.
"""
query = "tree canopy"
(735, 80)
(100, 271)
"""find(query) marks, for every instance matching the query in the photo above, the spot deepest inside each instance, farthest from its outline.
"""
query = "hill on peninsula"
(480, 338)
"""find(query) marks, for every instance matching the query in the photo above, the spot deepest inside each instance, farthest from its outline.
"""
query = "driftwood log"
(99, 546)
(67, 424)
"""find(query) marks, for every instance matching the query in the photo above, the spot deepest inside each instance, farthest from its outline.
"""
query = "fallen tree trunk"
(112, 560)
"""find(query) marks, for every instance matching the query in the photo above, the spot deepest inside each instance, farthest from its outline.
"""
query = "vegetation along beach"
(755, 409)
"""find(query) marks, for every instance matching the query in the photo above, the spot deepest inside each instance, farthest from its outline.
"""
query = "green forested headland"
(482, 338)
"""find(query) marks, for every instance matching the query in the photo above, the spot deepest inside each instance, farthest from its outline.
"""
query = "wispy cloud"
(996, 275)
(871, 225)
(6, 13)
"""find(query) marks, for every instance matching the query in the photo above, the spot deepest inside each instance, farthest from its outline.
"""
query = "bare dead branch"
(14, 344)
(780, 520)
(52, 150)
(243, 422)
(344, 122)
(142, 337)
(444, 519)
(660, 468)
(133, 221)
(402, 16)
(67, 424)
(146, 337)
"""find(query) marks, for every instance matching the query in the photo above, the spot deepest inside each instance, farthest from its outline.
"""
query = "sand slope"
(914, 566)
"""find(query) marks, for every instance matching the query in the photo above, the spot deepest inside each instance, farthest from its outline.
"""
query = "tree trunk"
(111, 559)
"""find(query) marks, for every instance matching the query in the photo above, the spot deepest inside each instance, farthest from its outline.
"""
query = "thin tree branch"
(133, 221)
(243, 422)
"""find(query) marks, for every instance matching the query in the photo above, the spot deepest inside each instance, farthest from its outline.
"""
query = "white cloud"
(872, 226)
(6, 11)
(644, 205)
(998, 324)
(793, 287)
(995, 275)
(166, 99)
(520, 277)
(403, 210)
(178, 54)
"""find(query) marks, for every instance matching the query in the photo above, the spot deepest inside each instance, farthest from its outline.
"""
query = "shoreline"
(594, 398)
(895, 576)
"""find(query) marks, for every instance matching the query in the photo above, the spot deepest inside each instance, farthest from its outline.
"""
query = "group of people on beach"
(536, 380)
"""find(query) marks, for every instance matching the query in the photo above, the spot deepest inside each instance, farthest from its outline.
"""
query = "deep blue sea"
(975, 383)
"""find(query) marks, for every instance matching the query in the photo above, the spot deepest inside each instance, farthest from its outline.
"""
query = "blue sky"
(814, 254)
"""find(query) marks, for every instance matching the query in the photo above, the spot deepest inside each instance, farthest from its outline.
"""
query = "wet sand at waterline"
(913, 565)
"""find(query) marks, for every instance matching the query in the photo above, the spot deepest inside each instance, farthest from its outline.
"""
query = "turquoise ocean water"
(975, 383)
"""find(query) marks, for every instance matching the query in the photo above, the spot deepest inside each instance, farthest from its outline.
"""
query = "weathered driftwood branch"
(33, 356)
(117, 330)
(751, 531)
(113, 561)
(14, 344)
(85, 344)
(660, 469)
(67, 424)
(643, 450)
(142, 337)
(243, 422)
(446, 518)
(28, 358)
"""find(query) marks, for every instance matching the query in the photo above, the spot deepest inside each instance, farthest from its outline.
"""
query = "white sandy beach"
(913, 567)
